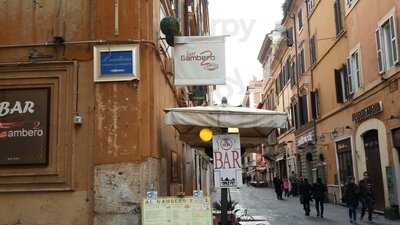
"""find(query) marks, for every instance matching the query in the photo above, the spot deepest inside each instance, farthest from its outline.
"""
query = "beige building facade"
(348, 122)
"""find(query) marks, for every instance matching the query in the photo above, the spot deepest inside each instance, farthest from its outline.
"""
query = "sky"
(247, 23)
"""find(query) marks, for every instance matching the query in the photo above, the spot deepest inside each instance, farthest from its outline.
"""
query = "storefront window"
(345, 160)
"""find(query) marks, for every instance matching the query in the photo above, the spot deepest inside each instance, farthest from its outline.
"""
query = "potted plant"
(217, 206)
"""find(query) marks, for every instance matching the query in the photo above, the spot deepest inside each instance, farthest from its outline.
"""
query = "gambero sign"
(24, 115)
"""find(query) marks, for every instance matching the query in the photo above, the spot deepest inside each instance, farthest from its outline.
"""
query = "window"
(287, 71)
(354, 71)
(293, 74)
(300, 19)
(387, 46)
(345, 160)
(310, 6)
(303, 110)
(294, 112)
(338, 17)
(342, 85)
(349, 3)
(313, 50)
(301, 62)
(315, 104)
(289, 36)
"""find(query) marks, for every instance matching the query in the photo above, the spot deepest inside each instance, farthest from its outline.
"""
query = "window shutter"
(293, 112)
(338, 17)
(314, 104)
(289, 36)
(345, 83)
(339, 87)
(393, 33)
(350, 76)
(292, 74)
(335, 6)
(379, 51)
(304, 109)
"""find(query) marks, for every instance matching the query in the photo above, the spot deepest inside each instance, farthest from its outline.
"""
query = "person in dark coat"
(351, 198)
(305, 190)
(293, 183)
(367, 197)
(319, 192)
(278, 188)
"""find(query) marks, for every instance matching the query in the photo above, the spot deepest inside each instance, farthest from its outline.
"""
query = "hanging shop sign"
(227, 161)
(368, 112)
(24, 125)
(116, 63)
(176, 210)
(199, 60)
(308, 138)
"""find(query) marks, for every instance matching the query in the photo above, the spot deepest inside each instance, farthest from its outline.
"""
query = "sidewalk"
(262, 202)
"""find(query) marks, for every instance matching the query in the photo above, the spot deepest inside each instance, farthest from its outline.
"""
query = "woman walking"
(286, 187)
(351, 198)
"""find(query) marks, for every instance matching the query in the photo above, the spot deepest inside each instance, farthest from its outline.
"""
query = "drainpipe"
(293, 17)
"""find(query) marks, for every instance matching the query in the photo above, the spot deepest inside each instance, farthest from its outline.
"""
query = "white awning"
(254, 124)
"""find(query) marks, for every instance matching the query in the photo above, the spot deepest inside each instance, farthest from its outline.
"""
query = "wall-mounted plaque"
(24, 126)
(116, 63)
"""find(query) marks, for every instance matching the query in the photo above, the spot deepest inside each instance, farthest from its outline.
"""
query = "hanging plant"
(170, 27)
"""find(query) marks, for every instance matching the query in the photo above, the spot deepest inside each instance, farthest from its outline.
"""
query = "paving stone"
(262, 202)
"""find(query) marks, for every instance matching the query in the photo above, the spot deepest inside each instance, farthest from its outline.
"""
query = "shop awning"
(254, 124)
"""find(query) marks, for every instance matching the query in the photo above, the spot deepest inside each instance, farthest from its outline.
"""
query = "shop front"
(308, 157)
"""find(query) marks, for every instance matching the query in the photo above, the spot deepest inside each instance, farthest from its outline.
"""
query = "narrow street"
(262, 202)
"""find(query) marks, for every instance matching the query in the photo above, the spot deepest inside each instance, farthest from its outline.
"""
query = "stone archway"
(360, 151)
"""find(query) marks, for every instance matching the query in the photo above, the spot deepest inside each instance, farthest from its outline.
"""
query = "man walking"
(351, 197)
(278, 188)
(367, 196)
(305, 195)
(319, 191)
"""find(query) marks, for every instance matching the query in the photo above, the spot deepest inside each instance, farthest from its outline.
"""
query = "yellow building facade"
(342, 93)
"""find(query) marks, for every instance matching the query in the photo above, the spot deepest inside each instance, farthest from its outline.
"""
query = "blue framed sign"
(116, 63)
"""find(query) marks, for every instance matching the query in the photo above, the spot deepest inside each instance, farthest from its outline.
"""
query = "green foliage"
(231, 205)
(170, 27)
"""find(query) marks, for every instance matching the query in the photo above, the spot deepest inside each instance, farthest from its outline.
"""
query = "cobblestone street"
(262, 202)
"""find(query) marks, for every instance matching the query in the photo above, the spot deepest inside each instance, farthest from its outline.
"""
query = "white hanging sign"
(199, 60)
(227, 161)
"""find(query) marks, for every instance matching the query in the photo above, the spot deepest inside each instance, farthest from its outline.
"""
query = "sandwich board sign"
(177, 211)
(227, 161)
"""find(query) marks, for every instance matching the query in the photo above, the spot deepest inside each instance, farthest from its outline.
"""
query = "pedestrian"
(286, 187)
(293, 183)
(319, 192)
(305, 190)
(351, 198)
(278, 188)
(367, 197)
(248, 180)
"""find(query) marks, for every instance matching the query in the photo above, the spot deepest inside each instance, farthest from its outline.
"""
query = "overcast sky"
(246, 22)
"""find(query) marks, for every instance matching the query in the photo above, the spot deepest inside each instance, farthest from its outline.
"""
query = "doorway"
(373, 165)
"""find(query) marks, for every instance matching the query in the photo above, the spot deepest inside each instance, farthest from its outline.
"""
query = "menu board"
(177, 211)
(24, 125)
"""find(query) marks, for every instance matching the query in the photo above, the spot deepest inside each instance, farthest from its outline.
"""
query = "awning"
(254, 124)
